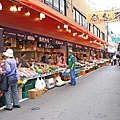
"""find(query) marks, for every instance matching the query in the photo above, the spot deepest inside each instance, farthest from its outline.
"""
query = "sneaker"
(16, 106)
(8, 109)
(73, 84)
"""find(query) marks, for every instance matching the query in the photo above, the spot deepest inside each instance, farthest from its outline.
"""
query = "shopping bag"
(4, 83)
(12, 80)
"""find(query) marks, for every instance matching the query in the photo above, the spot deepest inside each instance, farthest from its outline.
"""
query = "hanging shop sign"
(78, 46)
(44, 39)
(57, 42)
(44, 45)
(69, 44)
(9, 34)
(31, 37)
(21, 36)
(103, 16)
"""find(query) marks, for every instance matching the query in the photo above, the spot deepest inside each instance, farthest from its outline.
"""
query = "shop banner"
(21, 36)
(31, 37)
(44, 39)
(44, 45)
(69, 44)
(58, 42)
(103, 16)
(78, 46)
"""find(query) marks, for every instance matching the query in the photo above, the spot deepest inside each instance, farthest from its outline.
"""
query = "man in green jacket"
(72, 66)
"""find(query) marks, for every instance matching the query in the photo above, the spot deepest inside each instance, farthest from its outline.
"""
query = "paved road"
(95, 97)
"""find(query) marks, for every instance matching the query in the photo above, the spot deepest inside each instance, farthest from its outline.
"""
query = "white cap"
(70, 51)
(8, 53)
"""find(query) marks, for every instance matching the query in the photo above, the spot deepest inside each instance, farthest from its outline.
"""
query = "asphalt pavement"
(95, 97)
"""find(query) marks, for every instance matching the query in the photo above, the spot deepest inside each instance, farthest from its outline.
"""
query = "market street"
(95, 97)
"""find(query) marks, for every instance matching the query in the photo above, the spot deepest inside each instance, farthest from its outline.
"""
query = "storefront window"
(94, 30)
(48, 2)
(62, 6)
(74, 15)
(77, 17)
(81, 20)
(56, 4)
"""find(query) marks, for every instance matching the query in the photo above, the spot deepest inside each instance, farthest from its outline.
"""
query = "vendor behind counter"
(22, 61)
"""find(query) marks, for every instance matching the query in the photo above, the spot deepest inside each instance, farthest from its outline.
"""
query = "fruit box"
(34, 93)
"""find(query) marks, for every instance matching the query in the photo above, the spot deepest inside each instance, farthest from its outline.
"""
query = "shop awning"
(41, 7)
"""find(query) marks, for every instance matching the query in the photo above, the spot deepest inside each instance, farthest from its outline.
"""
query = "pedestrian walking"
(114, 59)
(72, 66)
(10, 69)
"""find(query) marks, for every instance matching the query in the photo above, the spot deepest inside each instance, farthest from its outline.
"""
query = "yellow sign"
(103, 16)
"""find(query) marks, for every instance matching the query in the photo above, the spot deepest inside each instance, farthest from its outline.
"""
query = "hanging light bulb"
(58, 27)
(69, 31)
(41, 18)
(19, 8)
(0, 6)
(27, 13)
(11, 8)
(42, 15)
(65, 26)
(14, 8)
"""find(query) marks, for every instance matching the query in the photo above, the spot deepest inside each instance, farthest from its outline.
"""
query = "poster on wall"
(103, 16)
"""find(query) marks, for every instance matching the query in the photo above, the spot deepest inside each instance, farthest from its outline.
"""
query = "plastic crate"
(34, 82)
(25, 94)
(27, 87)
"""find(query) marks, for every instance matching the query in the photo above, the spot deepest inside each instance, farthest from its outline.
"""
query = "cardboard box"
(34, 93)
(20, 93)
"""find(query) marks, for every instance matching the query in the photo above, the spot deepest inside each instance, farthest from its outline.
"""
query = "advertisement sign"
(103, 16)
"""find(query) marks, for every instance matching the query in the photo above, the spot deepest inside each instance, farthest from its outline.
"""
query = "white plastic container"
(50, 83)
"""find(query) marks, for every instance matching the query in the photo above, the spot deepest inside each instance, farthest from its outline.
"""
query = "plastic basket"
(27, 87)
(25, 94)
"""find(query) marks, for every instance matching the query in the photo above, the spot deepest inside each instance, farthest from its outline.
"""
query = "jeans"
(13, 90)
(73, 77)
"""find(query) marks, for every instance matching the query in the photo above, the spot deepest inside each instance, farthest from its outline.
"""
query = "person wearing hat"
(72, 66)
(11, 69)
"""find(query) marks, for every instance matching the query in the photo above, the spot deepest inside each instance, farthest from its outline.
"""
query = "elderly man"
(72, 66)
